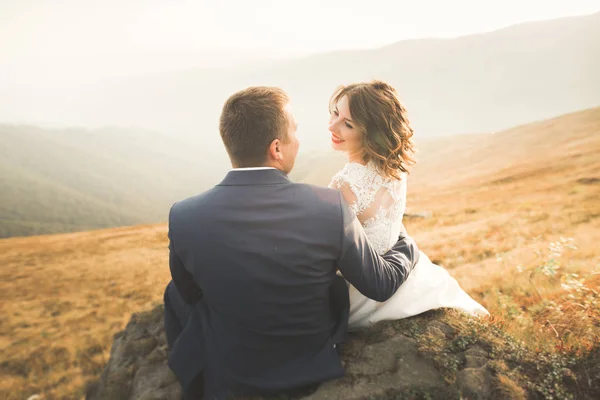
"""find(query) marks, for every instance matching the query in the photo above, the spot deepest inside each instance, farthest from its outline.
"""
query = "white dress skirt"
(379, 203)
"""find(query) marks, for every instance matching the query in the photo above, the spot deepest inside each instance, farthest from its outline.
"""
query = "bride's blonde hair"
(387, 135)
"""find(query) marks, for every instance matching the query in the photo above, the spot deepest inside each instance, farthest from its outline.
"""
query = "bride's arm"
(377, 277)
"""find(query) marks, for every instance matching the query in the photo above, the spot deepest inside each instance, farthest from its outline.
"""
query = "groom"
(255, 305)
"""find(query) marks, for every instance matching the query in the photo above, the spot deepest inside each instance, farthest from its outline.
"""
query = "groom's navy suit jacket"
(256, 257)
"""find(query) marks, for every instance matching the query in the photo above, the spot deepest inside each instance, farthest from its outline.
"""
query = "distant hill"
(73, 180)
(60, 180)
(471, 84)
(457, 159)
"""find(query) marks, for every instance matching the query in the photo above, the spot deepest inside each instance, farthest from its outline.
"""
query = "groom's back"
(263, 251)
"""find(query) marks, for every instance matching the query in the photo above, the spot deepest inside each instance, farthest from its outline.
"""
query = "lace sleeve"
(371, 199)
(344, 187)
(401, 194)
(378, 202)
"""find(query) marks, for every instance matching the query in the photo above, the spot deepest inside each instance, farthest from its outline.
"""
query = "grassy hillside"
(74, 180)
(515, 219)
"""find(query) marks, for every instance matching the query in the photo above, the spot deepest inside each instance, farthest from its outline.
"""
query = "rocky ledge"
(437, 355)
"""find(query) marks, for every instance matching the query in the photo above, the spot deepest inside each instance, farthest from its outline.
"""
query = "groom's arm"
(377, 277)
(183, 279)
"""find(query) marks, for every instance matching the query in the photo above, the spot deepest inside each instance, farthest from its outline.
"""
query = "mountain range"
(470, 84)
(136, 145)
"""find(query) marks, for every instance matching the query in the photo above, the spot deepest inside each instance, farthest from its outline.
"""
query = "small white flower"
(520, 268)
(556, 249)
(570, 282)
(550, 269)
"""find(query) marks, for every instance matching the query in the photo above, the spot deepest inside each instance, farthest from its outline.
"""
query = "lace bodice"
(378, 202)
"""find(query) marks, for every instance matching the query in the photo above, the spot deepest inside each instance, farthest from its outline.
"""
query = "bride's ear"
(275, 150)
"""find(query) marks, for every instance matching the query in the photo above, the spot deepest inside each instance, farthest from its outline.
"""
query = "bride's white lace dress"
(379, 203)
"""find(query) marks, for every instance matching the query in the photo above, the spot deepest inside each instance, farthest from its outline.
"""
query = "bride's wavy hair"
(387, 135)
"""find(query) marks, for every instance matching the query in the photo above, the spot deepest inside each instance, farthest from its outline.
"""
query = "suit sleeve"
(377, 277)
(183, 279)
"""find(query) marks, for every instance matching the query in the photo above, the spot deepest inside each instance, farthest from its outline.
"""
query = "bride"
(369, 124)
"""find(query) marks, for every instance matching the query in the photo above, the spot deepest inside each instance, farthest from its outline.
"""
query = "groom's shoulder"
(191, 203)
(302, 193)
(317, 194)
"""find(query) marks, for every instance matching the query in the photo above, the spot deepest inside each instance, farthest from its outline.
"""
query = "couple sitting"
(268, 275)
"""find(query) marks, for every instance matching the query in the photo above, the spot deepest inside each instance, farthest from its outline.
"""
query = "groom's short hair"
(251, 119)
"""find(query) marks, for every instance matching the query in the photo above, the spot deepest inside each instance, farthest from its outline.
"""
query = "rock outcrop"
(437, 355)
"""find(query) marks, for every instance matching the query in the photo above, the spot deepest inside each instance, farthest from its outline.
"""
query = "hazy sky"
(62, 42)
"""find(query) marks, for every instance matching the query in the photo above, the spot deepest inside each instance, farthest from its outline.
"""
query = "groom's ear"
(275, 150)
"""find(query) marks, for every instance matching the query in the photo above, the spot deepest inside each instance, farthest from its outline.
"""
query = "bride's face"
(344, 134)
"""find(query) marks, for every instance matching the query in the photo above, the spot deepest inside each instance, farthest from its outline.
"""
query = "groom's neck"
(266, 164)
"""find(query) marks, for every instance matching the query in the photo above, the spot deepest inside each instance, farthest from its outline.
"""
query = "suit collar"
(251, 168)
(255, 177)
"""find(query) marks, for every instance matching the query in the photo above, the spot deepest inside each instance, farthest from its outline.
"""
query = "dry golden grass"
(65, 296)
(497, 211)
(497, 202)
